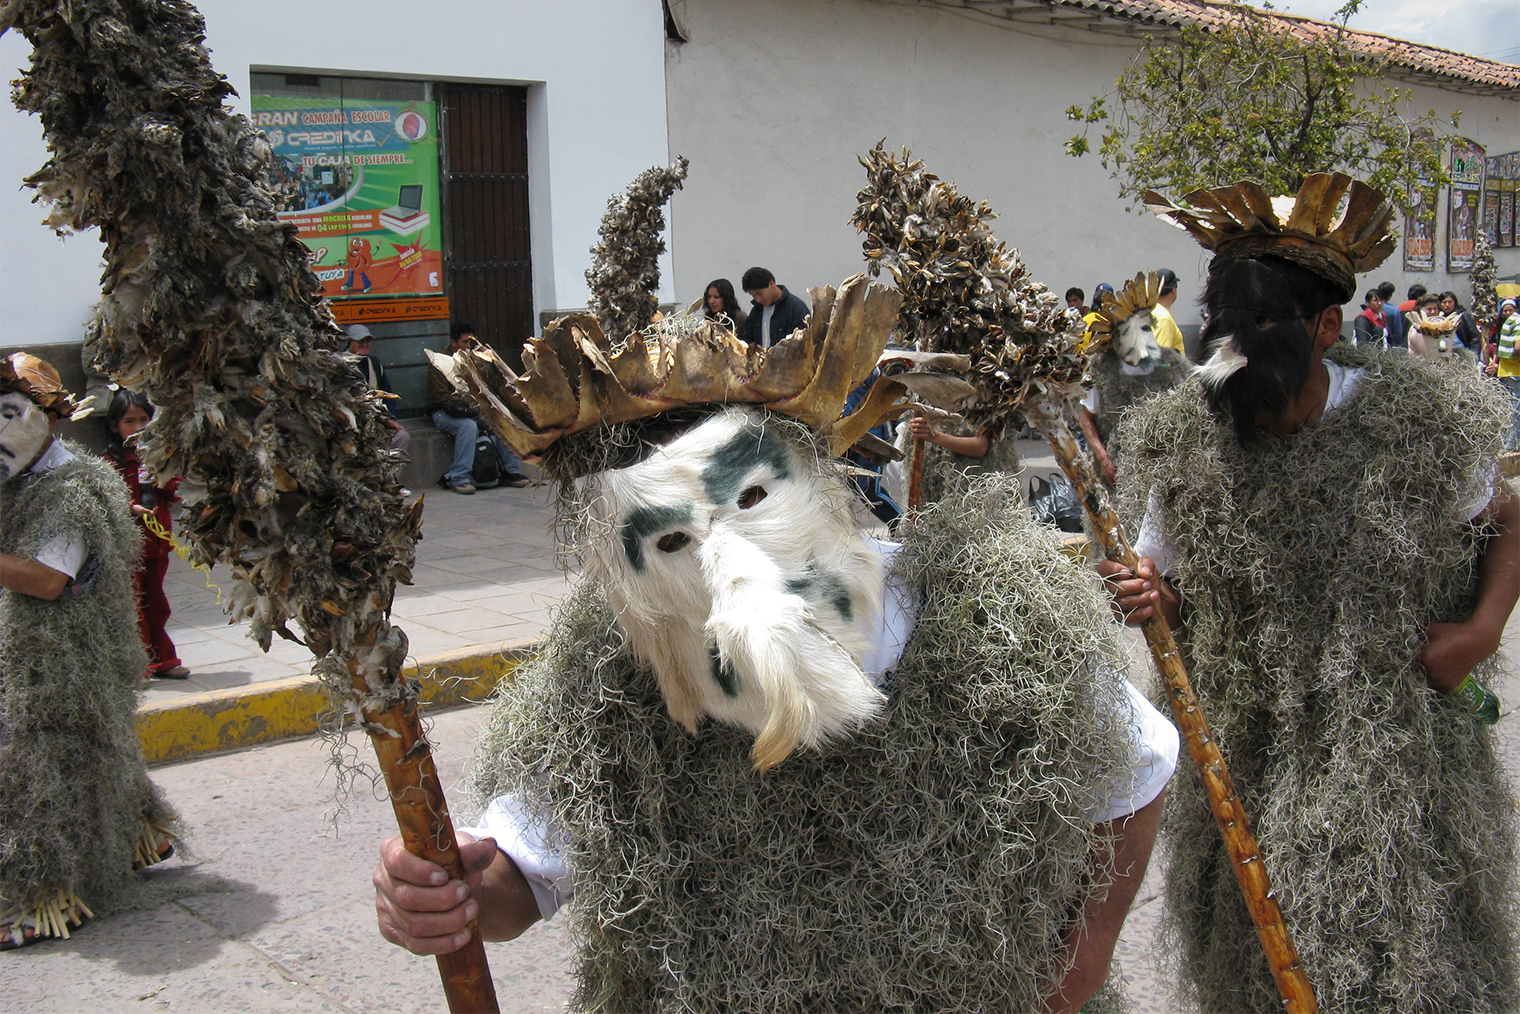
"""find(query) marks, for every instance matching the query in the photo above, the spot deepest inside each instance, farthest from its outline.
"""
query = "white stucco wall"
(773, 99)
(596, 118)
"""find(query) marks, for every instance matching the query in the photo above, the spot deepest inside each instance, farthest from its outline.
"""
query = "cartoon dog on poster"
(359, 259)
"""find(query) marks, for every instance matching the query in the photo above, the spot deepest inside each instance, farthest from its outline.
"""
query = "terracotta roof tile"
(1409, 60)
(1411, 57)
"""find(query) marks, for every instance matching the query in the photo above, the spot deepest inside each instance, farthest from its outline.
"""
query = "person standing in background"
(775, 314)
(126, 416)
(719, 303)
(1168, 334)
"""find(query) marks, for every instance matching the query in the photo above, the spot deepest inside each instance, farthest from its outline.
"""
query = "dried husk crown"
(1139, 293)
(1245, 221)
(575, 378)
(38, 380)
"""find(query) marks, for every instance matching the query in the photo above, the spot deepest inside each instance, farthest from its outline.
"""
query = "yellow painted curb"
(285, 709)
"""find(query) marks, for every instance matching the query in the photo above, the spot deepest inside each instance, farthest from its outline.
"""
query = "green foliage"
(1249, 99)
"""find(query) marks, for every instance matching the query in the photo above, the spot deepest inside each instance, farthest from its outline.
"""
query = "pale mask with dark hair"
(736, 570)
(24, 429)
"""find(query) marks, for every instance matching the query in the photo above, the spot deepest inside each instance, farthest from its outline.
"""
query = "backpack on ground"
(486, 471)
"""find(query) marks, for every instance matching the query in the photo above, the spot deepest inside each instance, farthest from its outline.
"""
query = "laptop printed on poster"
(406, 216)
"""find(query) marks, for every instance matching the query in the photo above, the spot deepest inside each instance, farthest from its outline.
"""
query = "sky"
(1486, 28)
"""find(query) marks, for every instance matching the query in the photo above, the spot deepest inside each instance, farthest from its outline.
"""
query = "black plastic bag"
(1055, 503)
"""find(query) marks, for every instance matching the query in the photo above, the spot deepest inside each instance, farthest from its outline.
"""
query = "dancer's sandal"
(154, 844)
(56, 913)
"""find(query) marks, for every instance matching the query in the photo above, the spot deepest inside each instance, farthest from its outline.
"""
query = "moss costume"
(931, 862)
(1118, 391)
(1309, 569)
(73, 789)
(947, 473)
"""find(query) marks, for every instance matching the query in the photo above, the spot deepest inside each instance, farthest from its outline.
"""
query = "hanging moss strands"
(210, 305)
(965, 854)
(74, 794)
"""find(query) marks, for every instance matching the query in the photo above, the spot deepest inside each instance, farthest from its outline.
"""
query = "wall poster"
(1420, 221)
(1501, 190)
(1464, 213)
(1420, 235)
(359, 180)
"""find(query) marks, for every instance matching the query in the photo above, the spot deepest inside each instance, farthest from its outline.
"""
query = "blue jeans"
(1512, 438)
(465, 432)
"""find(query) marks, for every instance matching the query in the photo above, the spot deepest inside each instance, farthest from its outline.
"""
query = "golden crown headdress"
(1244, 221)
(38, 380)
(1438, 325)
(1139, 293)
(574, 379)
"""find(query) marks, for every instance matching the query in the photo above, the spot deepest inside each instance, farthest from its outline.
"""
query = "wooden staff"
(1250, 869)
(427, 831)
(916, 475)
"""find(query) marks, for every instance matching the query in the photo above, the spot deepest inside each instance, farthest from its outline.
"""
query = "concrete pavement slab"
(293, 930)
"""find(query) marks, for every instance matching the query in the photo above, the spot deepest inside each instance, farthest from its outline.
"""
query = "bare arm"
(27, 576)
(1452, 650)
(420, 909)
(1090, 945)
(1136, 593)
(971, 447)
(1095, 444)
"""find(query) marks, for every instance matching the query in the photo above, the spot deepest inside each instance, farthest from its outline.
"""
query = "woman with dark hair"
(719, 302)
(129, 412)
(1371, 325)
(1467, 328)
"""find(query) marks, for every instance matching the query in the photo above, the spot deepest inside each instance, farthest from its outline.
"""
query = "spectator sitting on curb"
(456, 418)
(776, 313)
(359, 342)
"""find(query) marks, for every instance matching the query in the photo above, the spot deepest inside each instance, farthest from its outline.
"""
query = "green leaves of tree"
(1253, 99)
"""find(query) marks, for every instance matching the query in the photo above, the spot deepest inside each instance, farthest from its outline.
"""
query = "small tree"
(1255, 96)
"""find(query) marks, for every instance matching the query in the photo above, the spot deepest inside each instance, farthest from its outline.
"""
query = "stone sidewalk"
(485, 578)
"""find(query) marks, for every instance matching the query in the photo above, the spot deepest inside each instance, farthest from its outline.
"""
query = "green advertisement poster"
(359, 180)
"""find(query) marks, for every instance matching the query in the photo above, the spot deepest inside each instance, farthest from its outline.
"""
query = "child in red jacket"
(128, 414)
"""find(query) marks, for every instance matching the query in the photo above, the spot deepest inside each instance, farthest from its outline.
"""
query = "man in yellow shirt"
(1168, 334)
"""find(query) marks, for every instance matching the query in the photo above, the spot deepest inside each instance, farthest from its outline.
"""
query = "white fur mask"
(24, 428)
(736, 570)
(1135, 340)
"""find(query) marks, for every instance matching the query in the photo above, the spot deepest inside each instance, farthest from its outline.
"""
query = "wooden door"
(487, 264)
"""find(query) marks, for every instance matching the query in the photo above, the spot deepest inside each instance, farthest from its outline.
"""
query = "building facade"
(535, 114)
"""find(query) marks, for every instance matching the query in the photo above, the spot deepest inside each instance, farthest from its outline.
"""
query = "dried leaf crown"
(1139, 293)
(1244, 221)
(574, 379)
(38, 380)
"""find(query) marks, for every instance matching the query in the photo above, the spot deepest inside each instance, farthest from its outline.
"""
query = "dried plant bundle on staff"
(210, 305)
(625, 271)
(1026, 364)
(962, 289)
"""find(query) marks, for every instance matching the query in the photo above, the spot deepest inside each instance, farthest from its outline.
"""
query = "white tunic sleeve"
(524, 834)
